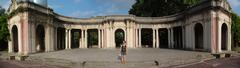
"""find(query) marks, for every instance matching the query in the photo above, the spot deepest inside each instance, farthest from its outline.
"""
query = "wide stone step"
(92, 64)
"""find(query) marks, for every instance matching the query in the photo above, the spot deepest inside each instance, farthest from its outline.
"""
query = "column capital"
(155, 28)
(85, 29)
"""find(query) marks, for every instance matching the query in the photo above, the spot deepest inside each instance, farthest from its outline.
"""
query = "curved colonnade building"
(36, 28)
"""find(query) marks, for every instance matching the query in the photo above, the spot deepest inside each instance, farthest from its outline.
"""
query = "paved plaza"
(136, 58)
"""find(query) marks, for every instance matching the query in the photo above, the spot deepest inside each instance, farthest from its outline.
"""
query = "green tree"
(235, 30)
(1, 11)
(4, 34)
(156, 8)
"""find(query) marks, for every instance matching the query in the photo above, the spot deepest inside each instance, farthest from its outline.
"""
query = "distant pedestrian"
(123, 50)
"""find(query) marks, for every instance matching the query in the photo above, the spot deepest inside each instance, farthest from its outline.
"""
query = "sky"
(92, 8)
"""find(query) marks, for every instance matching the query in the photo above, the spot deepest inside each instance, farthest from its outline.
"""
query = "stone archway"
(40, 38)
(15, 38)
(119, 37)
(198, 29)
(224, 37)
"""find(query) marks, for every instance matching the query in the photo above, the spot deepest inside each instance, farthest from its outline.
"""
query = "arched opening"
(15, 38)
(76, 36)
(92, 38)
(147, 38)
(119, 37)
(40, 38)
(224, 39)
(60, 38)
(198, 36)
(163, 38)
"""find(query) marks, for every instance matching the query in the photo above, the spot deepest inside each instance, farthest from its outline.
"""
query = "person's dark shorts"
(123, 53)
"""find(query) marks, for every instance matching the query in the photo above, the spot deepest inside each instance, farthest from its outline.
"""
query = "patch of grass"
(237, 49)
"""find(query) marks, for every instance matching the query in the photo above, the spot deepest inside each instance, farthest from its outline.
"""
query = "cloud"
(234, 3)
(55, 4)
(6, 4)
(82, 14)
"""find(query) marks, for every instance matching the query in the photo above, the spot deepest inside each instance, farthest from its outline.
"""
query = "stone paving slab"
(232, 62)
(107, 58)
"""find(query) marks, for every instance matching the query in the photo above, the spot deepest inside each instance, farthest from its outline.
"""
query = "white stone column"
(82, 39)
(169, 38)
(99, 38)
(20, 41)
(112, 38)
(157, 39)
(139, 41)
(10, 43)
(86, 39)
(10, 47)
(229, 41)
(46, 39)
(66, 41)
(112, 35)
(134, 34)
(172, 38)
(125, 34)
(136, 38)
(154, 38)
(102, 38)
(52, 42)
(108, 36)
(70, 39)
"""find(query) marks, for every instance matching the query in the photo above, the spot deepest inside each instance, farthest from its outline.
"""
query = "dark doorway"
(61, 38)
(163, 38)
(40, 38)
(177, 38)
(119, 37)
(224, 37)
(75, 37)
(198, 36)
(15, 38)
(147, 38)
(92, 38)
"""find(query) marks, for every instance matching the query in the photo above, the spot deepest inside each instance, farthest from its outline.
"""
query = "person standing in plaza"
(123, 50)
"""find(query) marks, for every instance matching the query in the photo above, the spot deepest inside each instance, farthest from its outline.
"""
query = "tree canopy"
(3, 29)
(1, 11)
(156, 8)
(235, 29)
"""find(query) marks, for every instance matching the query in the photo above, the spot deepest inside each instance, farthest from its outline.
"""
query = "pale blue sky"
(91, 8)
